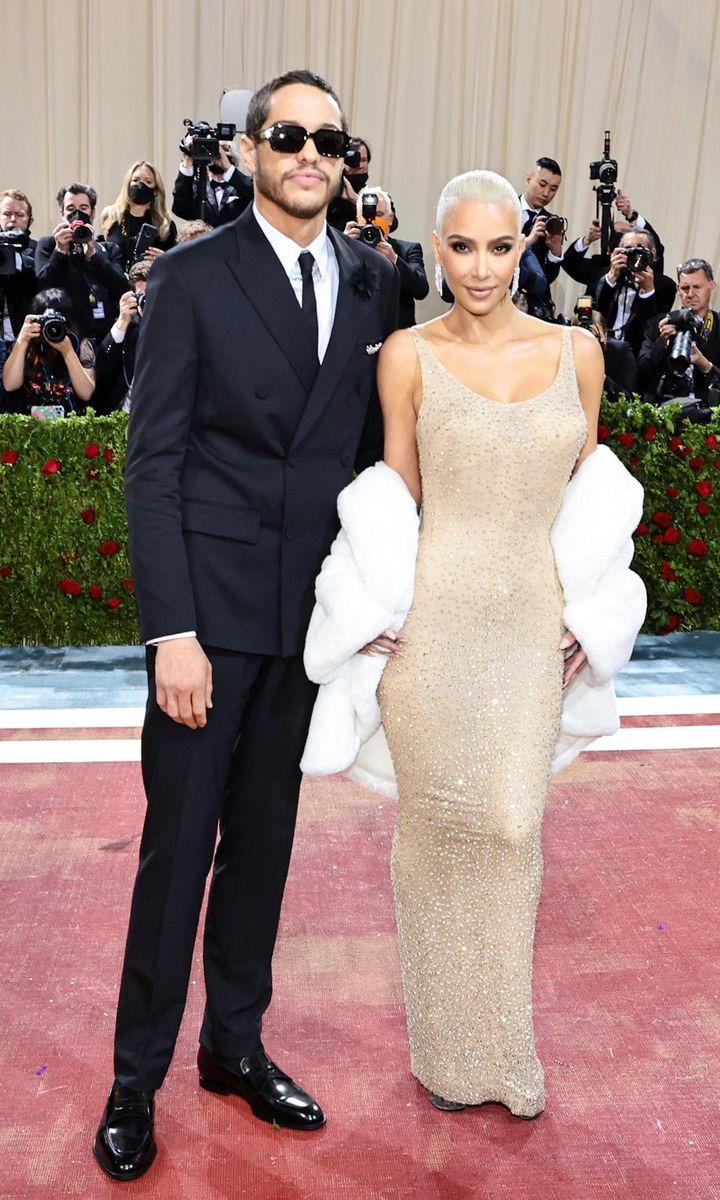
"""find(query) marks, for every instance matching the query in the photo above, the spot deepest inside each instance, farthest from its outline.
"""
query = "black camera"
(140, 301)
(81, 228)
(205, 144)
(555, 224)
(12, 242)
(638, 258)
(53, 326)
(689, 329)
(370, 233)
(605, 169)
(352, 158)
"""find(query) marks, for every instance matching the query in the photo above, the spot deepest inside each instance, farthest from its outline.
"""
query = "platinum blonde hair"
(484, 187)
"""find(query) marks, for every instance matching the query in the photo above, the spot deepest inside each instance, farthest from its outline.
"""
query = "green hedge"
(65, 578)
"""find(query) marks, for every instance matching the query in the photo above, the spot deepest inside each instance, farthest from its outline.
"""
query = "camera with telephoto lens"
(53, 326)
(204, 143)
(12, 242)
(370, 233)
(689, 329)
(80, 227)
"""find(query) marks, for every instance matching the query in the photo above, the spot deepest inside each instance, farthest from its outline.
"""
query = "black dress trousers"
(241, 774)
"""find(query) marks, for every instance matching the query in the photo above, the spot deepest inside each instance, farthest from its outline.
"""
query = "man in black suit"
(628, 300)
(19, 286)
(588, 269)
(228, 192)
(543, 248)
(696, 285)
(115, 357)
(72, 258)
(407, 257)
(254, 399)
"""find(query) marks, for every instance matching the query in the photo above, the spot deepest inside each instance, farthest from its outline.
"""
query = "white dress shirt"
(326, 277)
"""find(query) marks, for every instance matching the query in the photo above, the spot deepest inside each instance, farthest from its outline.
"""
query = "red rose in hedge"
(667, 572)
(109, 455)
(672, 536)
(663, 519)
(51, 467)
(641, 530)
(129, 586)
(696, 463)
(659, 537)
(717, 463)
(650, 433)
(634, 460)
(114, 602)
(675, 444)
(672, 623)
(703, 508)
(92, 473)
(92, 450)
(6, 572)
(697, 547)
(673, 492)
(95, 592)
(88, 515)
(107, 549)
(692, 596)
(603, 433)
(627, 440)
(70, 587)
(704, 488)
(712, 441)
(9, 458)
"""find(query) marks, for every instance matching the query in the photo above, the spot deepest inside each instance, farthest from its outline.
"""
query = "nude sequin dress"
(471, 713)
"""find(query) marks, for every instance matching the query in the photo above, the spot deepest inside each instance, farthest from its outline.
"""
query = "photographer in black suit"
(588, 268)
(228, 191)
(254, 400)
(696, 286)
(72, 258)
(115, 362)
(543, 246)
(628, 298)
(407, 257)
(19, 285)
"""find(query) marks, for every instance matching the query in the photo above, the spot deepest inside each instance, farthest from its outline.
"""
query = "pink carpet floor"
(626, 1002)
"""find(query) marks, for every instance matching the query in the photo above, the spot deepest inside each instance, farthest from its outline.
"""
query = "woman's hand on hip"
(575, 657)
(388, 643)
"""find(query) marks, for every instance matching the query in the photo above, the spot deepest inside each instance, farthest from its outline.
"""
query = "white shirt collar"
(289, 251)
(525, 206)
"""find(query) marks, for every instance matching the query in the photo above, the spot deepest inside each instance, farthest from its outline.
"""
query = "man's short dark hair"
(695, 264)
(138, 271)
(78, 189)
(646, 233)
(548, 164)
(259, 105)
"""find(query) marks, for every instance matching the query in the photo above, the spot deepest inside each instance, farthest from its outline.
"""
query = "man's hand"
(623, 204)
(90, 247)
(386, 250)
(352, 229)
(554, 243)
(618, 262)
(128, 308)
(645, 280)
(593, 233)
(183, 681)
(63, 236)
(666, 330)
(698, 359)
(536, 233)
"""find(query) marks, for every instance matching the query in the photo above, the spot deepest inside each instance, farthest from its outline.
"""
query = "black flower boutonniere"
(364, 282)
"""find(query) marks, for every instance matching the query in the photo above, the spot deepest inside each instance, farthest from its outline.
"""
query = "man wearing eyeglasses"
(696, 286)
(253, 401)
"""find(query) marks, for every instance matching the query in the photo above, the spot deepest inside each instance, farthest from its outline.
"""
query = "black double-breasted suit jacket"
(239, 443)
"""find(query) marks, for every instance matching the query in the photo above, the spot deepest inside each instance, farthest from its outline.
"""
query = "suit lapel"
(346, 330)
(261, 276)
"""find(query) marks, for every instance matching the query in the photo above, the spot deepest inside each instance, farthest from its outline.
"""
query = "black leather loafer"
(271, 1094)
(124, 1145)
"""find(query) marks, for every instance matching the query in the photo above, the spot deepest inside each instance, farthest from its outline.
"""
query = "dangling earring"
(439, 278)
(515, 280)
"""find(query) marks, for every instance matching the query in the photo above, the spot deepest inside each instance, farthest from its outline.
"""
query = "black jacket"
(550, 270)
(116, 237)
(642, 310)
(413, 280)
(238, 445)
(18, 290)
(114, 369)
(100, 276)
(589, 267)
(653, 359)
(238, 195)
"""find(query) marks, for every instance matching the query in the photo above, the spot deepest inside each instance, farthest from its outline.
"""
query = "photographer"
(141, 202)
(621, 371)
(18, 284)
(116, 352)
(696, 285)
(407, 257)
(49, 365)
(588, 269)
(227, 194)
(343, 208)
(72, 258)
(544, 233)
(633, 290)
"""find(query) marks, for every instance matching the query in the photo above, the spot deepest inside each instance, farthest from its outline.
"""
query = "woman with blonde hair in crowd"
(141, 201)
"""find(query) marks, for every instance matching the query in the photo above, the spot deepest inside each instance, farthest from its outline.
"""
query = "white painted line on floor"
(658, 706)
(71, 718)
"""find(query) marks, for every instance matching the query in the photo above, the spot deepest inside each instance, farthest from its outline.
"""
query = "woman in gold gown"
(487, 413)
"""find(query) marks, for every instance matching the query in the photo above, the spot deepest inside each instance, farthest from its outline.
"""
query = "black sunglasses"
(288, 138)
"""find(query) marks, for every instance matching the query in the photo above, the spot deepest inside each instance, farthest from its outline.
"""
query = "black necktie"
(309, 306)
(530, 219)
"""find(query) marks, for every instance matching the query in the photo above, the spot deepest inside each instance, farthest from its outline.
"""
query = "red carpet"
(626, 1003)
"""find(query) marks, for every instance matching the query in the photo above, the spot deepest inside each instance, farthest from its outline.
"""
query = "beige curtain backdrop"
(436, 86)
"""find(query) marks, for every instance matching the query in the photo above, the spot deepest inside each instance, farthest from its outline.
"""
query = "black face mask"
(357, 181)
(140, 193)
(78, 215)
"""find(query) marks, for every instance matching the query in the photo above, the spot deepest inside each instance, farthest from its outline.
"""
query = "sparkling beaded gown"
(471, 713)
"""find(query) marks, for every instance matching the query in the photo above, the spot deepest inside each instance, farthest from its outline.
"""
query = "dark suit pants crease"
(240, 773)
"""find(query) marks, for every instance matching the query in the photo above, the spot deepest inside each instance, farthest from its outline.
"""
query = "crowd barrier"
(65, 576)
